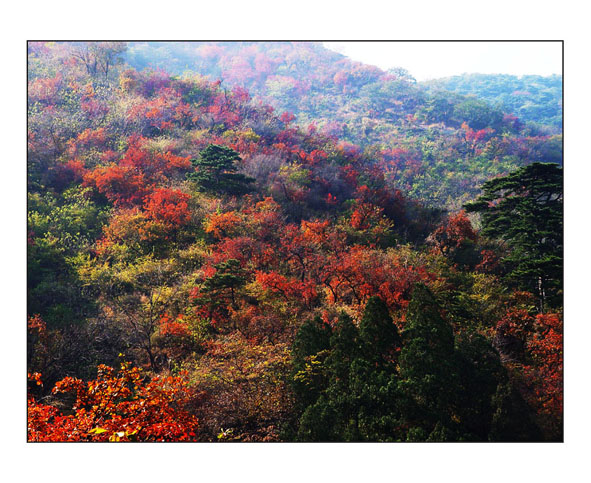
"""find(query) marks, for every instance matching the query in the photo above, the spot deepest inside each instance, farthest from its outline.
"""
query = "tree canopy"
(216, 171)
(525, 210)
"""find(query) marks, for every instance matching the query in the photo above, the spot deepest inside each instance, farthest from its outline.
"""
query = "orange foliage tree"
(116, 406)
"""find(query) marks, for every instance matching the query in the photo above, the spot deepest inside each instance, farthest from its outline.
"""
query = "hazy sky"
(428, 60)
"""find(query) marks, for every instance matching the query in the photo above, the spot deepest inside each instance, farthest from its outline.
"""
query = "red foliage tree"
(151, 163)
(117, 406)
(545, 374)
(453, 234)
(121, 185)
(86, 140)
(359, 273)
(168, 206)
(289, 289)
(221, 225)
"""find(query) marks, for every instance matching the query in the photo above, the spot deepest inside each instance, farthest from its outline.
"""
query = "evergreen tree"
(318, 422)
(348, 392)
(524, 209)
(378, 334)
(224, 283)
(216, 172)
(429, 375)
(344, 345)
(340, 393)
(312, 337)
(310, 349)
(512, 419)
(480, 371)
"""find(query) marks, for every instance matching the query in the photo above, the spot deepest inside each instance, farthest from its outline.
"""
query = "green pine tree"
(310, 348)
(525, 210)
(348, 391)
(216, 171)
(512, 418)
(430, 382)
(378, 334)
(223, 285)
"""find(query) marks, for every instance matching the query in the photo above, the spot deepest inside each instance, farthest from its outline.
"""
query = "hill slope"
(435, 145)
(256, 280)
(532, 98)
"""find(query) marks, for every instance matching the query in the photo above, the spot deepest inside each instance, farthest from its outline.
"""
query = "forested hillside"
(436, 145)
(205, 267)
(532, 98)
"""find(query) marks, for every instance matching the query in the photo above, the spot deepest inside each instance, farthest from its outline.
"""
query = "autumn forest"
(265, 242)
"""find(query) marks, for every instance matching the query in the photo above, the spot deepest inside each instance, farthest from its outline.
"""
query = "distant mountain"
(532, 98)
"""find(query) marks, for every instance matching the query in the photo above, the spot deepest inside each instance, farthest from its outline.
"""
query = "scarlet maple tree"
(290, 289)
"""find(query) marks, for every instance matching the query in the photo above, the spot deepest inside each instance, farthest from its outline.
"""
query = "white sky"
(428, 60)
